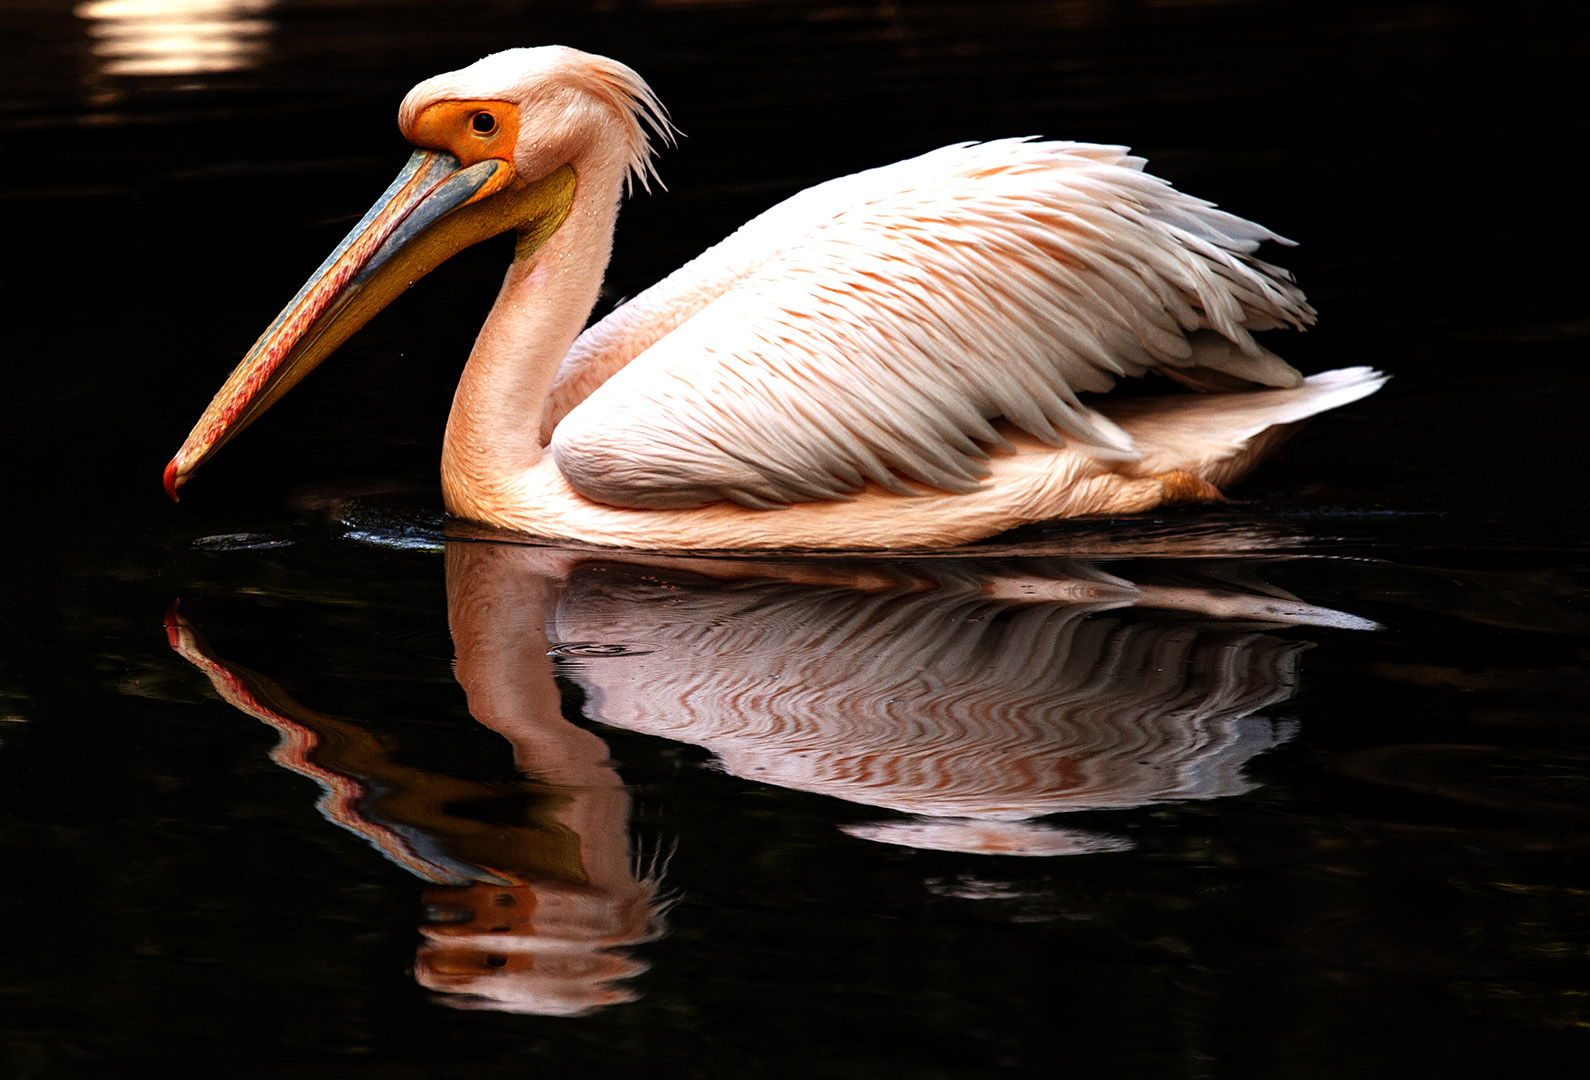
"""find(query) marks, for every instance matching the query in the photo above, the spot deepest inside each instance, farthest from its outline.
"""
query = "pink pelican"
(892, 359)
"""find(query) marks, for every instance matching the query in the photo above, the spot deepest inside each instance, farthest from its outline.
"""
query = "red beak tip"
(171, 480)
(175, 624)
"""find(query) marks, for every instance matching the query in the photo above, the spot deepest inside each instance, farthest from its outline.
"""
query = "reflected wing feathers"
(869, 329)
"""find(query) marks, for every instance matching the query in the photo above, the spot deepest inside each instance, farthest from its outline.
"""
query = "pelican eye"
(484, 123)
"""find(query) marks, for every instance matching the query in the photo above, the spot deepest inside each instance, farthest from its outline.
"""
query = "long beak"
(433, 210)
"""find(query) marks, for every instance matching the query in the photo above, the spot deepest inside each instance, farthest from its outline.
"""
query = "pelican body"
(892, 359)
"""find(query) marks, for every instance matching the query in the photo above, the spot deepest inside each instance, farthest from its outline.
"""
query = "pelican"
(893, 359)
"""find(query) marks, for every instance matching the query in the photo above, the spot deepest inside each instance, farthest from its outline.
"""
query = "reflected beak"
(434, 209)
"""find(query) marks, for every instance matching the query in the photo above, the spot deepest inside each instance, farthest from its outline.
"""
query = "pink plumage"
(914, 355)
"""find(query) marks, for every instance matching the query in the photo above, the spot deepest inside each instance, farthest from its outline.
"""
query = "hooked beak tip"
(172, 480)
(176, 625)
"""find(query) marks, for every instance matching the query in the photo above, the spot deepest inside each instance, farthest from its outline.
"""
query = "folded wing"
(871, 328)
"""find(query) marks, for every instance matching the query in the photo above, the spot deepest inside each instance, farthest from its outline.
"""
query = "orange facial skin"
(472, 131)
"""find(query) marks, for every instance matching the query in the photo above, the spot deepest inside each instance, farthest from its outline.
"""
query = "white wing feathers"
(871, 328)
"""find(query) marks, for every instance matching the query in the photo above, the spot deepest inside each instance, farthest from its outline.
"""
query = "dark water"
(1298, 786)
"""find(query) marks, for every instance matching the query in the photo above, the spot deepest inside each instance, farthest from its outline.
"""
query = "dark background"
(1424, 156)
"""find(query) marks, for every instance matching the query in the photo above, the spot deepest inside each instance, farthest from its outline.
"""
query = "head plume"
(524, 74)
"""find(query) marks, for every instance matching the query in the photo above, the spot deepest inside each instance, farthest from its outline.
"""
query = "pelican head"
(499, 145)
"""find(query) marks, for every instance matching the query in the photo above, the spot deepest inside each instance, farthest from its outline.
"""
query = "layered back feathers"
(869, 329)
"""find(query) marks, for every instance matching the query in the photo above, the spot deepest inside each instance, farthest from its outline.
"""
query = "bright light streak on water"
(176, 37)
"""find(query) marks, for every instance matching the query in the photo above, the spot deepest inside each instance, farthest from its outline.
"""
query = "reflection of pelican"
(894, 356)
(972, 695)
(534, 889)
(976, 695)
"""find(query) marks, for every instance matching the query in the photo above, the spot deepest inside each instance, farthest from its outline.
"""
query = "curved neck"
(493, 431)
